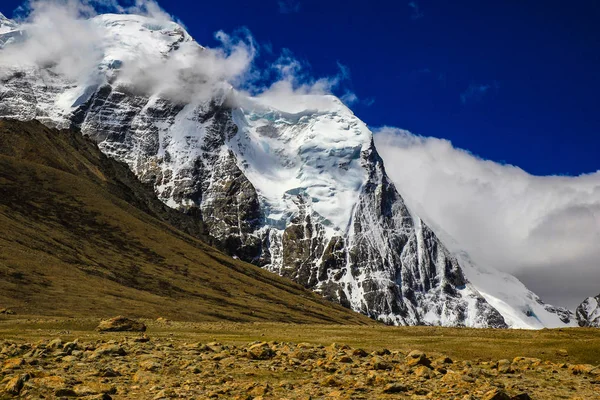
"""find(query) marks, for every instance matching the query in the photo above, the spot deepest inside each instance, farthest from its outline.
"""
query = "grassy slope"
(79, 236)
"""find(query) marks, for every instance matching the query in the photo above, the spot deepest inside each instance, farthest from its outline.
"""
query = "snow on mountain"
(296, 187)
(588, 312)
(6, 25)
(8, 30)
(312, 153)
(520, 307)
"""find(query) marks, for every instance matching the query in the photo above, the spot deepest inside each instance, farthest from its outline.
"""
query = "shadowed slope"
(79, 235)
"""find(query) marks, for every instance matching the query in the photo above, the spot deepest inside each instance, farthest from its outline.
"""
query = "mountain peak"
(290, 182)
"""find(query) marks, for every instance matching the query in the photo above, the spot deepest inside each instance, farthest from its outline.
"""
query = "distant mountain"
(588, 312)
(299, 190)
(81, 236)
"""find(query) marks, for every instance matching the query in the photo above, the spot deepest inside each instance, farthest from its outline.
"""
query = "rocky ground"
(127, 365)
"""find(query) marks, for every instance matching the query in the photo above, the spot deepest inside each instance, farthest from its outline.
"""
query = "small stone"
(142, 339)
(581, 369)
(15, 385)
(417, 357)
(359, 353)
(382, 352)
(108, 350)
(150, 365)
(496, 394)
(164, 394)
(331, 381)
(14, 363)
(103, 396)
(260, 351)
(108, 372)
(55, 344)
(423, 372)
(562, 353)
(504, 367)
(259, 390)
(522, 396)
(381, 365)
(65, 392)
(395, 388)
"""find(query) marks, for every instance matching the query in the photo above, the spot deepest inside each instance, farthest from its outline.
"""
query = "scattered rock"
(417, 357)
(331, 380)
(562, 353)
(345, 359)
(359, 353)
(381, 365)
(108, 350)
(394, 388)
(260, 351)
(13, 363)
(496, 394)
(65, 392)
(166, 368)
(108, 372)
(581, 369)
(150, 365)
(55, 344)
(423, 372)
(15, 385)
(505, 367)
(142, 339)
(121, 324)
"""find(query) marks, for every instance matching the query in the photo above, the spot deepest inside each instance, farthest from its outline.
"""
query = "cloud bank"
(65, 37)
(543, 229)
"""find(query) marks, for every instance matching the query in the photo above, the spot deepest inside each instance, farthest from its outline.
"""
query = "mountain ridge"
(300, 191)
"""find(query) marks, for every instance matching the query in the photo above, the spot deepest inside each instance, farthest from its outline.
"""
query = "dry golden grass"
(78, 237)
(582, 345)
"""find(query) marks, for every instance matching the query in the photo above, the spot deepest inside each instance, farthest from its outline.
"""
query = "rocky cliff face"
(588, 312)
(301, 192)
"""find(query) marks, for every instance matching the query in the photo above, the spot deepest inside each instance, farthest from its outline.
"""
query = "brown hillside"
(80, 236)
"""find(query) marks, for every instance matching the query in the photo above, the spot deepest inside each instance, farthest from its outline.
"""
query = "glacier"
(296, 187)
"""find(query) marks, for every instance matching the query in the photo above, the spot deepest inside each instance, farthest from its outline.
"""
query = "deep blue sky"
(509, 80)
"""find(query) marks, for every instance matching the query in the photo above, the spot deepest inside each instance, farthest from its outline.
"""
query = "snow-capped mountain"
(296, 188)
(588, 312)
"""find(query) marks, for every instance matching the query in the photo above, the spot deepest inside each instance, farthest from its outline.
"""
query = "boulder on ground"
(121, 324)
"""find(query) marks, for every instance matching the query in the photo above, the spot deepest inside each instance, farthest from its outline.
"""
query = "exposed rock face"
(588, 312)
(302, 192)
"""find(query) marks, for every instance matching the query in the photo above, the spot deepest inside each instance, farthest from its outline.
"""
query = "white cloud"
(61, 36)
(294, 89)
(58, 37)
(543, 229)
